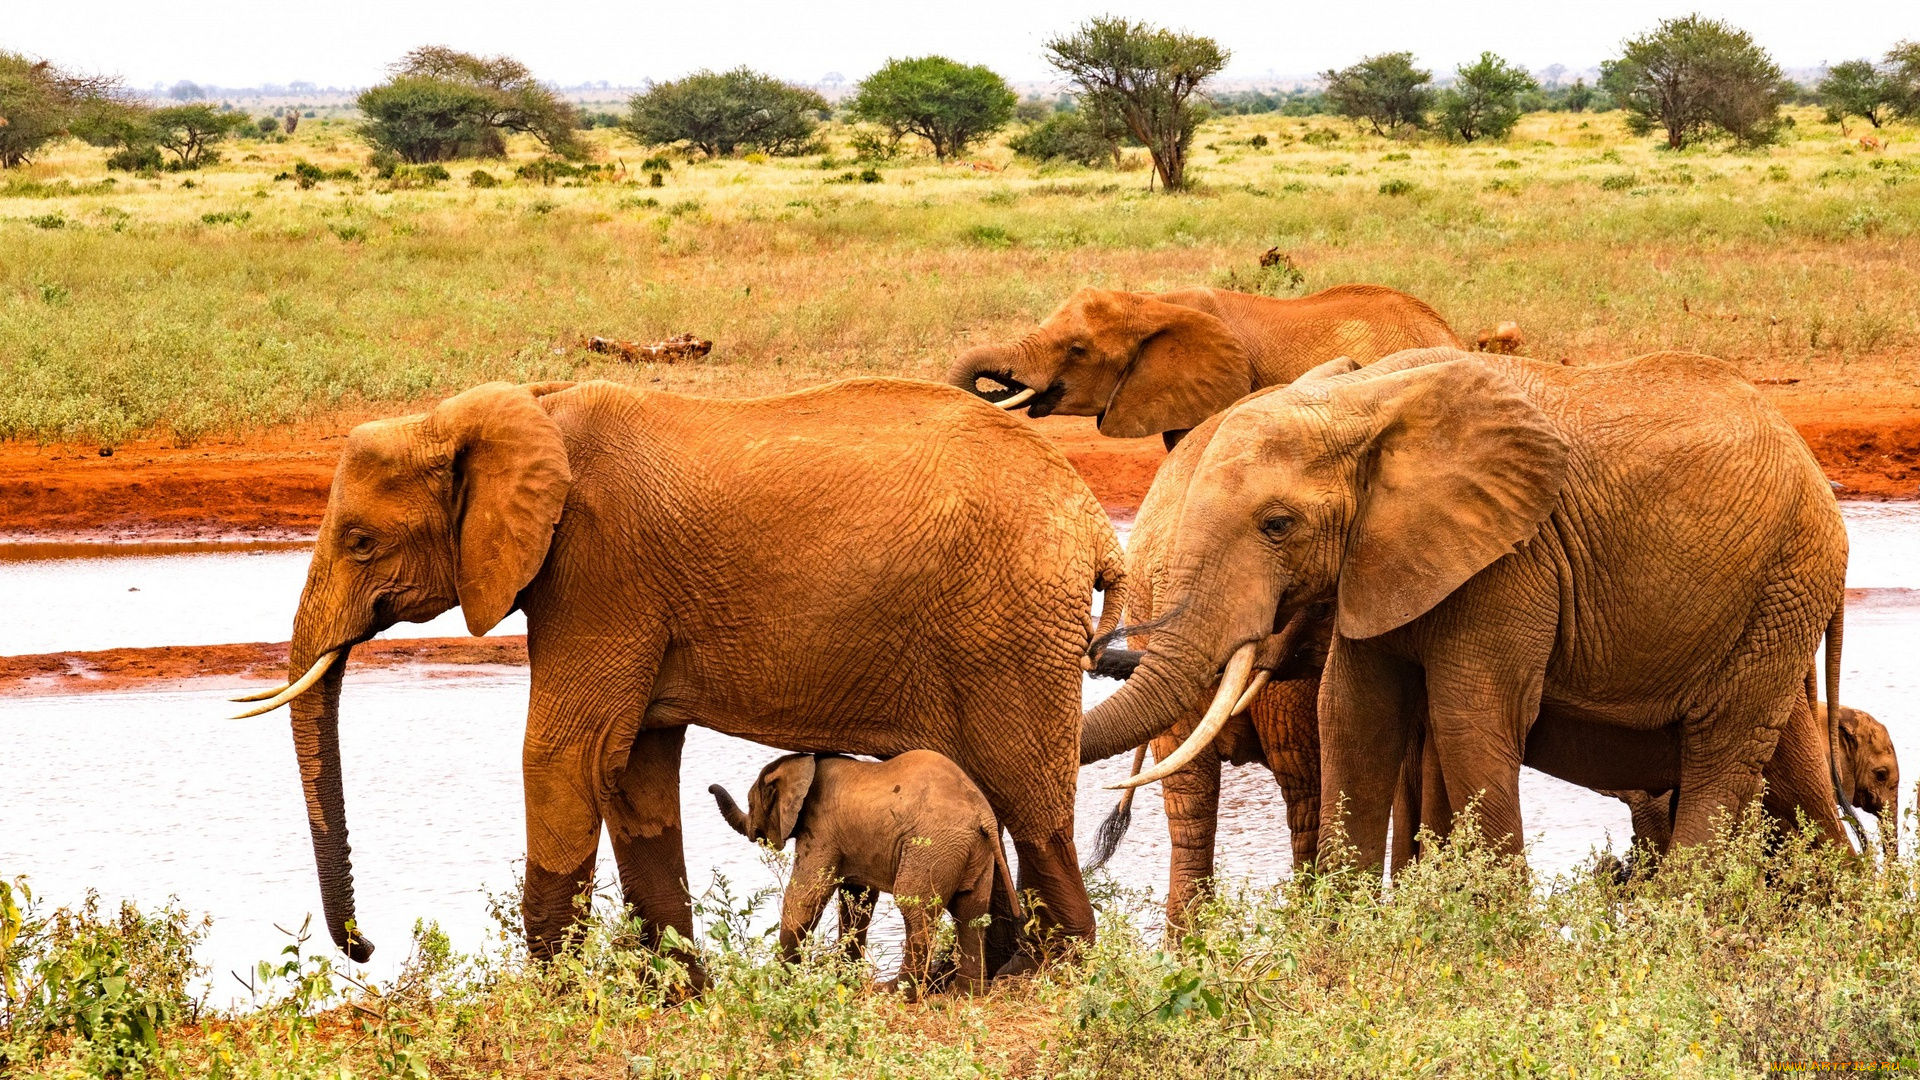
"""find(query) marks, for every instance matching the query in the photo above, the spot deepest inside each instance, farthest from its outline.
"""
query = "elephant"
(1868, 767)
(872, 566)
(1506, 544)
(913, 826)
(1160, 363)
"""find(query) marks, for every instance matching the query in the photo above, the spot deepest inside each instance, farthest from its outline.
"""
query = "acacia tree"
(1903, 78)
(1386, 91)
(718, 113)
(39, 103)
(442, 104)
(1484, 100)
(1697, 78)
(1146, 76)
(1857, 88)
(189, 132)
(946, 103)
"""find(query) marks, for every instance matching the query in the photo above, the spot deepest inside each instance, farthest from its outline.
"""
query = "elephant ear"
(1846, 760)
(784, 786)
(1188, 367)
(510, 480)
(1460, 468)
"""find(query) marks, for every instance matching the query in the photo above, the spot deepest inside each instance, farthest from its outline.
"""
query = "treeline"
(1690, 79)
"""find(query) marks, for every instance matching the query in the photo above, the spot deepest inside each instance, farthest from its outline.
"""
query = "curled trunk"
(316, 741)
(1167, 683)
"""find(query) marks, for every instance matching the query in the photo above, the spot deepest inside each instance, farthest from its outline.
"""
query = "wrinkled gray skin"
(914, 827)
(1627, 546)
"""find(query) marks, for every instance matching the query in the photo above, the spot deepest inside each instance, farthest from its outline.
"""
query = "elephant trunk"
(992, 360)
(316, 740)
(1168, 682)
(728, 808)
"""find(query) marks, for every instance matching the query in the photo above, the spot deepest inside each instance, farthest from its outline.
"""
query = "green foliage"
(1299, 102)
(1484, 100)
(1698, 78)
(870, 145)
(1397, 186)
(189, 132)
(442, 104)
(1858, 88)
(1385, 91)
(1903, 75)
(1069, 136)
(1144, 77)
(481, 178)
(40, 102)
(717, 113)
(950, 105)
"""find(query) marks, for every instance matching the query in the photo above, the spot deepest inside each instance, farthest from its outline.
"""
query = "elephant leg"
(856, 916)
(968, 907)
(917, 913)
(1799, 778)
(1286, 719)
(1192, 798)
(1365, 720)
(550, 906)
(1482, 697)
(1050, 870)
(643, 820)
(1436, 806)
(808, 892)
(1722, 754)
(1406, 804)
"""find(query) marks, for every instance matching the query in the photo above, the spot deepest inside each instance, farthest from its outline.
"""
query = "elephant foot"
(1022, 963)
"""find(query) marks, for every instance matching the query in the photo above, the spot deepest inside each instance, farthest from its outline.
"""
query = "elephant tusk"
(1254, 687)
(261, 695)
(298, 687)
(1232, 685)
(1016, 400)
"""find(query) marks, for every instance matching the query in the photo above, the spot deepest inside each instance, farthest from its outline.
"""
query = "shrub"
(1396, 186)
(1618, 182)
(1386, 91)
(870, 145)
(1067, 136)
(869, 176)
(1698, 78)
(950, 105)
(1321, 137)
(306, 174)
(442, 104)
(41, 102)
(1145, 78)
(135, 159)
(481, 178)
(1258, 141)
(1484, 100)
(719, 113)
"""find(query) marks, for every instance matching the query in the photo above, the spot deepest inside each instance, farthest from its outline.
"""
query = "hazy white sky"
(349, 42)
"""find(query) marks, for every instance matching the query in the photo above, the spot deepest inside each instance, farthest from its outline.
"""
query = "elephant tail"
(1116, 824)
(1835, 633)
(728, 808)
(992, 833)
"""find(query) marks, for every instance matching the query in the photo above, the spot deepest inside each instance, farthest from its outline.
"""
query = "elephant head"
(1140, 364)
(1381, 491)
(774, 803)
(455, 507)
(1867, 765)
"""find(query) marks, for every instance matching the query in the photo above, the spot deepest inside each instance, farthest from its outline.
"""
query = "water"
(152, 794)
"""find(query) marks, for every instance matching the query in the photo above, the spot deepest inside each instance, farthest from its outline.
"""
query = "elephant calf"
(914, 826)
(1869, 771)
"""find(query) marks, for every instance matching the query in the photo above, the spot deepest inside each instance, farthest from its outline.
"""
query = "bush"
(1067, 136)
(870, 145)
(719, 113)
(1386, 91)
(306, 174)
(948, 104)
(136, 159)
(1484, 100)
(481, 178)
(1698, 78)
(1396, 186)
(442, 104)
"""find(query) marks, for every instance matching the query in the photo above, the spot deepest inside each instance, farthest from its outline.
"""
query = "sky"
(569, 42)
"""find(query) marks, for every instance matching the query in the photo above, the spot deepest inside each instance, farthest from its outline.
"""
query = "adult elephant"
(1160, 363)
(1504, 542)
(868, 567)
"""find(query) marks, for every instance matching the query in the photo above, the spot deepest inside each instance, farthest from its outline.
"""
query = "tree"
(40, 103)
(1484, 101)
(1903, 78)
(442, 104)
(946, 103)
(1579, 96)
(1386, 91)
(1697, 78)
(1857, 88)
(189, 132)
(1145, 76)
(719, 113)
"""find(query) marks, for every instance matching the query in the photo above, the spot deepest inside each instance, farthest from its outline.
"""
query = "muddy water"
(147, 795)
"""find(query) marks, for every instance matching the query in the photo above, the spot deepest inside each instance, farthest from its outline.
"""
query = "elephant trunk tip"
(729, 809)
(355, 945)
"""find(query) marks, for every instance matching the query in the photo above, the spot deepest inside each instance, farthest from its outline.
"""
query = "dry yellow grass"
(153, 308)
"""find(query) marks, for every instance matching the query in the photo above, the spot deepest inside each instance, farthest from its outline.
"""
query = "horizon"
(350, 46)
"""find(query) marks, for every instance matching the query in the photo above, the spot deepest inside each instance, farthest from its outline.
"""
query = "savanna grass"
(1747, 951)
(243, 302)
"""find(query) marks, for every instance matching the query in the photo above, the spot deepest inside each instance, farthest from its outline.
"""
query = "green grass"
(1739, 954)
(243, 303)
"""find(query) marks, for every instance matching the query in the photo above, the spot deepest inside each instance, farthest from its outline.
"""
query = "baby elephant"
(914, 826)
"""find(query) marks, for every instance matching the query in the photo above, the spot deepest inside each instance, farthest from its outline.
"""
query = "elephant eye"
(1880, 775)
(1277, 525)
(360, 545)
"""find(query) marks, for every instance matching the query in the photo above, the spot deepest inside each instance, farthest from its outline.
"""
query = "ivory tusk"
(1016, 400)
(261, 695)
(1253, 688)
(298, 687)
(1232, 685)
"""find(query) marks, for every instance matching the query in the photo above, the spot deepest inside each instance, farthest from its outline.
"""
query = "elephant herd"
(1393, 570)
